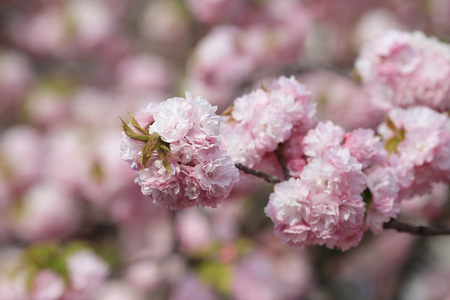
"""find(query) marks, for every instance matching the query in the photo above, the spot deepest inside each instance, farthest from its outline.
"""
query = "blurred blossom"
(226, 220)
(405, 69)
(215, 11)
(44, 32)
(142, 73)
(60, 29)
(65, 157)
(86, 271)
(46, 106)
(431, 281)
(118, 290)
(106, 177)
(426, 207)
(439, 10)
(16, 75)
(10, 288)
(145, 275)
(260, 275)
(375, 264)
(341, 100)
(219, 65)
(47, 271)
(45, 212)
(91, 22)
(193, 229)
(191, 288)
(372, 24)
(47, 285)
(147, 233)
(228, 55)
(22, 151)
(166, 25)
(340, 15)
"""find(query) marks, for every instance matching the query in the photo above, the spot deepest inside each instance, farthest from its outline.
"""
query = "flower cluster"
(356, 181)
(405, 69)
(326, 203)
(338, 184)
(419, 141)
(174, 150)
(259, 121)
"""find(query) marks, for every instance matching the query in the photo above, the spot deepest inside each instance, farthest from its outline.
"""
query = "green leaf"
(391, 124)
(162, 154)
(262, 87)
(401, 134)
(367, 197)
(147, 153)
(356, 76)
(391, 144)
(228, 111)
(132, 134)
(137, 126)
(167, 149)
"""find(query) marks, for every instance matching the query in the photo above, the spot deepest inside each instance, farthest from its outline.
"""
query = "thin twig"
(282, 161)
(266, 177)
(416, 230)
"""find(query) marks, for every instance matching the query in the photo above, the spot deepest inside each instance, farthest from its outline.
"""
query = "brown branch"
(282, 161)
(416, 230)
(266, 177)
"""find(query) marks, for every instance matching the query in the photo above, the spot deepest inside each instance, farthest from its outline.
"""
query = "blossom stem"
(282, 161)
(416, 230)
(266, 177)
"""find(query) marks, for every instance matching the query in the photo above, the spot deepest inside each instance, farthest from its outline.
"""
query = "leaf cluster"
(153, 142)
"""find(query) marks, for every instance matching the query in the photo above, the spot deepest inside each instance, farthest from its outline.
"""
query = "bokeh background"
(70, 68)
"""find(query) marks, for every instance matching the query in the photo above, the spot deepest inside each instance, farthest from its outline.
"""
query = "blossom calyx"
(153, 142)
(399, 135)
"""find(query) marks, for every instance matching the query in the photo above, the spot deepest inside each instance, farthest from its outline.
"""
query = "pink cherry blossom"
(47, 285)
(420, 138)
(405, 69)
(193, 230)
(118, 290)
(190, 168)
(384, 203)
(86, 271)
(341, 100)
(48, 212)
(324, 135)
(263, 118)
(365, 147)
(324, 205)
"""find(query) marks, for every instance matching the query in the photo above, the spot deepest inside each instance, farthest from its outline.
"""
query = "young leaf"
(162, 154)
(227, 112)
(137, 126)
(130, 133)
(391, 144)
(167, 149)
(146, 153)
(390, 124)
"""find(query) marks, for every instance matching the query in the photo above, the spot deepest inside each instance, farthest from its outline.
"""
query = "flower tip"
(188, 95)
